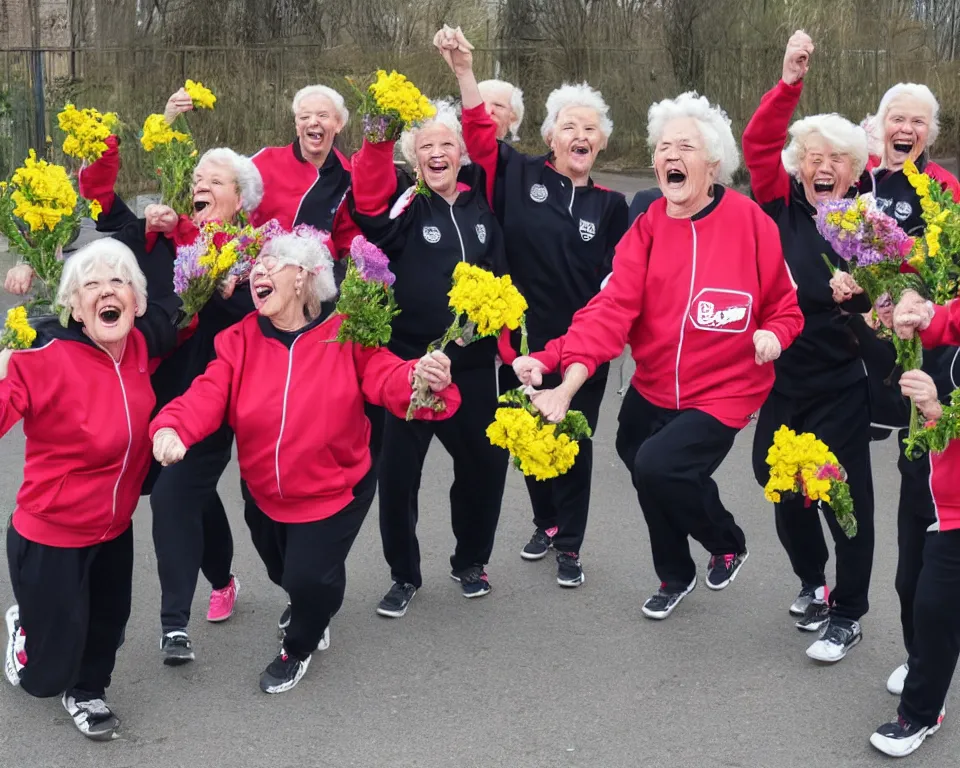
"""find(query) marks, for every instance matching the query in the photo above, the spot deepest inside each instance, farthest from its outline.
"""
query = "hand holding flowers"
(390, 104)
(434, 369)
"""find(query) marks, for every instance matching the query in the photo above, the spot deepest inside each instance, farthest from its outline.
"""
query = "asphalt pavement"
(531, 675)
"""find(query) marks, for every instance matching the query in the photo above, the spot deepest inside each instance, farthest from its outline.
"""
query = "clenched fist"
(168, 448)
(766, 346)
(796, 59)
(19, 279)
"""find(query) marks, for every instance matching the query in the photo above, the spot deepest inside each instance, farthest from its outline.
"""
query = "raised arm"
(766, 133)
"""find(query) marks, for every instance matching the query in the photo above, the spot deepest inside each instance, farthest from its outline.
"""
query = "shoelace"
(96, 707)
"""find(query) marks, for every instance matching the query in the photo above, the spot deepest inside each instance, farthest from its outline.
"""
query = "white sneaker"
(839, 636)
(896, 680)
(92, 717)
(15, 658)
(325, 640)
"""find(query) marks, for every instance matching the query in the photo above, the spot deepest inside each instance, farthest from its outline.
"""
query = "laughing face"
(106, 306)
(273, 285)
(684, 172)
(438, 158)
(318, 122)
(215, 193)
(576, 140)
(905, 130)
(824, 173)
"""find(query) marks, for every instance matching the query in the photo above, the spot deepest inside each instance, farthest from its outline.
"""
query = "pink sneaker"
(223, 600)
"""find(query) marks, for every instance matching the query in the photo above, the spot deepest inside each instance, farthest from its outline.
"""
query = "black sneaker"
(283, 673)
(901, 737)
(176, 648)
(662, 604)
(799, 606)
(839, 636)
(723, 569)
(92, 717)
(815, 617)
(473, 581)
(538, 546)
(569, 572)
(284, 622)
(396, 601)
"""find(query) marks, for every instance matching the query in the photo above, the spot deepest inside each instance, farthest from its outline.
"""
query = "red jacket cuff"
(505, 348)
(549, 359)
(934, 335)
(450, 397)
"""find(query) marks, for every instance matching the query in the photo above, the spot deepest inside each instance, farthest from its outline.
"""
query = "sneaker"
(325, 640)
(223, 600)
(176, 648)
(806, 596)
(395, 602)
(16, 657)
(723, 569)
(283, 673)
(284, 622)
(901, 737)
(837, 639)
(473, 581)
(662, 604)
(539, 544)
(92, 717)
(817, 613)
(569, 571)
(897, 679)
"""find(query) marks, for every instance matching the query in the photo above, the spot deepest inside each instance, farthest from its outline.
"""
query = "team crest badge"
(481, 233)
(431, 235)
(538, 193)
(587, 230)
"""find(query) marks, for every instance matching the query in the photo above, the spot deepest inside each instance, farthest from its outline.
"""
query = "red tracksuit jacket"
(688, 295)
(85, 418)
(297, 412)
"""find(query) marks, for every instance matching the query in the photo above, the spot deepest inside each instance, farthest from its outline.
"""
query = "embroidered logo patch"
(481, 233)
(883, 203)
(538, 193)
(902, 210)
(587, 230)
(431, 234)
(722, 310)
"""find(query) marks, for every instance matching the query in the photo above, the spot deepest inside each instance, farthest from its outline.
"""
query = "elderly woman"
(936, 640)
(190, 528)
(426, 236)
(701, 293)
(820, 384)
(85, 402)
(310, 489)
(560, 230)
(504, 103)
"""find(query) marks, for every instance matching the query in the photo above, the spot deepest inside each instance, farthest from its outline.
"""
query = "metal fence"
(255, 85)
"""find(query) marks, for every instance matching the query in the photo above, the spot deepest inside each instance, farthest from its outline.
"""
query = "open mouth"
(109, 315)
(676, 177)
(581, 151)
(199, 205)
(903, 147)
(823, 186)
(437, 166)
(315, 135)
(263, 291)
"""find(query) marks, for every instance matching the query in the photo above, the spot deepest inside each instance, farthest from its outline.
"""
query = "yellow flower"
(95, 209)
(488, 301)
(156, 133)
(202, 97)
(86, 131)
(537, 450)
(43, 194)
(394, 93)
(17, 332)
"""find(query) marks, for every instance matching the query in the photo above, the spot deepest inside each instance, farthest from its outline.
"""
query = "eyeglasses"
(269, 264)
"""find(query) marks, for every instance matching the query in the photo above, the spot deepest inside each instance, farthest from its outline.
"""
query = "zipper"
(463, 251)
(283, 417)
(683, 321)
(573, 194)
(126, 456)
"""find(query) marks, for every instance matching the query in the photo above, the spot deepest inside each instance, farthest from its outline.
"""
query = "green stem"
(524, 342)
(833, 269)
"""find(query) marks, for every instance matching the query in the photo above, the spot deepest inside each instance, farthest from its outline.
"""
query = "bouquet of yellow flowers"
(172, 146)
(936, 256)
(17, 332)
(86, 132)
(390, 104)
(40, 212)
(201, 266)
(483, 305)
(538, 449)
(803, 465)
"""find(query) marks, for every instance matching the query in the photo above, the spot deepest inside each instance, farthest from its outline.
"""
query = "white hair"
(580, 95)
(307, 251)
(446, 116)
(110, 254)
(842, 135)
(326, 92)
(516, 101)
(247, 176)
(874, 124)
(714, 127)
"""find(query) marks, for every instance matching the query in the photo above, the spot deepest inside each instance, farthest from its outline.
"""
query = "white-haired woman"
(820, 384)
(426, 236)
(560, 230)
(504, 103)
(83, 392)
(294, 397)
(701, 292)
(905, 126)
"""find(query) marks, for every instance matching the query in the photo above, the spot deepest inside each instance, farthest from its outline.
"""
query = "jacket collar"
(334, 157)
